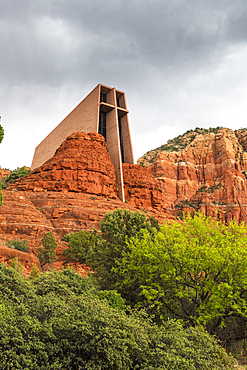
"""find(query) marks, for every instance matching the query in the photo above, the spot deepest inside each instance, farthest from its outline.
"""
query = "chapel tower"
(104, 110)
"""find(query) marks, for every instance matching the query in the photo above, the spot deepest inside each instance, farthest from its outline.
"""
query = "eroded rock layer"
(141, 189)
(208, 174)
(29, 215)
(81, 164)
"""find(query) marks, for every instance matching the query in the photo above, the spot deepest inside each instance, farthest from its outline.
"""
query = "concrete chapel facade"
(104, 110)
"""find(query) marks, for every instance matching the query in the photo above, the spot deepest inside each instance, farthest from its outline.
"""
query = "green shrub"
(20, 245)
(79, 245)
(47, 253)
(56, 321)
(14, 175)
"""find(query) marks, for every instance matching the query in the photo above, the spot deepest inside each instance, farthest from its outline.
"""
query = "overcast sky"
(181, 63)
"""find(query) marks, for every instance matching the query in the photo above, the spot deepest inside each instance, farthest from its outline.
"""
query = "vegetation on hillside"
(14, 175)
(20, 245)
(189, 279)
(196, 271)
(178, 143)
(58, 320)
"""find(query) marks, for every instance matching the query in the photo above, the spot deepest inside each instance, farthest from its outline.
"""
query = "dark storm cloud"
(182, 64)
(53, 42)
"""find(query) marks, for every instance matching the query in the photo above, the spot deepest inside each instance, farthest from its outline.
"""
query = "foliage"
(114, 299)
(1, 133)
(34, 272)
(14, 175)
(196, 271)
(16, 265)
(57, 322)
(79, 245)
(20, 245)
(47, 253)
(116, 229)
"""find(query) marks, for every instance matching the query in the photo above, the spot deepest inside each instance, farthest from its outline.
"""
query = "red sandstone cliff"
(209, 173)
(81, 164)
(4, 173)
(74, 189)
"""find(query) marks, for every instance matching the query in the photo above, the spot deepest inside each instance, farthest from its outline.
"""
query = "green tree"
(47, 253)
(79, 244)
(57, 321)
(196, 271)
(109, 246)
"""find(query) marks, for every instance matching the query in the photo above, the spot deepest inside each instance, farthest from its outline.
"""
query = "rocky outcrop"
(73, 190)
(29, 215)
(21, 219)
(4, 173)
(208, 174)
(141, 189)
(81, 164)
(27, 260)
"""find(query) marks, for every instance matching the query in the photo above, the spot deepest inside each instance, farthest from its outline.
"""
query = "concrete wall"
(83, 118)
(127, 143)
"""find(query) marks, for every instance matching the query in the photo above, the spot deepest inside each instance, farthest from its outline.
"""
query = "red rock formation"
(141, 189)
(80, 164)
(55, 197)
(29, 215)
(27, 260)
(4, 173)
(20, 218)
(209, 173)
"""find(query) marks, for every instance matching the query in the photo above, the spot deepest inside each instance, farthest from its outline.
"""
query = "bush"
(20, 245)
(47, 253)
(16, 174)
(79, 245)
(70, 328)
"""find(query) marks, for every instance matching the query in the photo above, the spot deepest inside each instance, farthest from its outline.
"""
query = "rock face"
(4, 173)
(29, 215)
(81, 164)
(208, 174)
(27, 260)
(142, 190)
(20, 218)
(203, 170)
(73, 191)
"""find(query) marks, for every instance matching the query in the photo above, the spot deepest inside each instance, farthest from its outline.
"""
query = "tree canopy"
(195, 271)
(58, 320)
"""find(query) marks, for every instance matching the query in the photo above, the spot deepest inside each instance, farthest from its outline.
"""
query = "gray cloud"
(178, 61)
